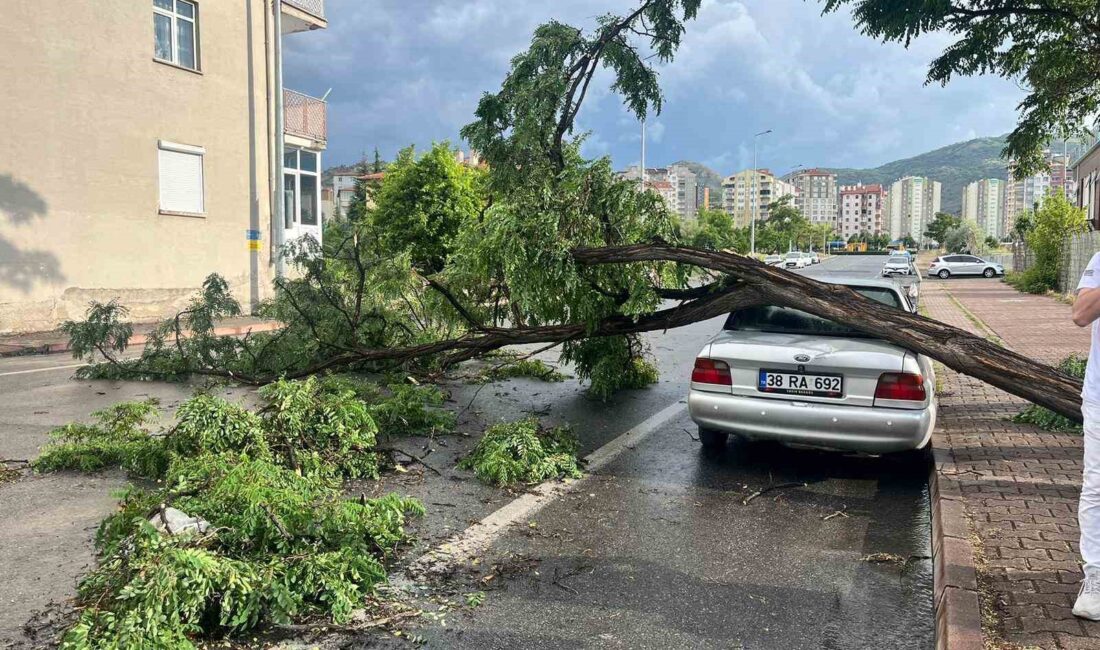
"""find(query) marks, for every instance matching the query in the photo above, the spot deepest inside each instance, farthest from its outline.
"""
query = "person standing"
(1086, 313)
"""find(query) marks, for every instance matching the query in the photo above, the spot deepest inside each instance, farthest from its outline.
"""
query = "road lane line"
(475, 539)
(27, 372)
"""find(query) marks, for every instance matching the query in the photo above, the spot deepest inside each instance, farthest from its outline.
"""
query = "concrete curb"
(137, 340)
(956, 604)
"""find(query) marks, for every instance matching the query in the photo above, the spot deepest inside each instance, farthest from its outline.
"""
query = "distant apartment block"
(815, 194)
(147, 144)
(746, 192)
(1086, 172)
(1022, 195)
(984, 202)
(861, 210)
(912, 203)
(685, 197)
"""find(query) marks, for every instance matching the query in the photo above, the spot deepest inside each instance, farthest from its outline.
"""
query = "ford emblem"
(802, 358)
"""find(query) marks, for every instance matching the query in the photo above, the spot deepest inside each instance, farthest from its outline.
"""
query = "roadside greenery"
(1074, 366)
(1049, 227)
(965, 237)
(529, 368)
(523, 452)
(942, 224)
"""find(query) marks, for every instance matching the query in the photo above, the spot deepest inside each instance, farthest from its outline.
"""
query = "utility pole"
(755, 193)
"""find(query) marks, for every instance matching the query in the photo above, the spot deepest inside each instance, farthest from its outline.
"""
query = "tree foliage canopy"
(1051, 46)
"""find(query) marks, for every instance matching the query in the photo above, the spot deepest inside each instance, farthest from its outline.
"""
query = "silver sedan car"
(782, 374)
(946, 266)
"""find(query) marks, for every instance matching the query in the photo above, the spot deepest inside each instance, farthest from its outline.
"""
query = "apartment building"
(911, 204)
(1027, 193)
(861, 210)
(1086, 173)
(747, 193)
(147, 144)
(984, 202)
(815, 194)
(685, 200)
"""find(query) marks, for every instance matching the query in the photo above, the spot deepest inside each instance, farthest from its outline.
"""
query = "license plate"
(801, 383)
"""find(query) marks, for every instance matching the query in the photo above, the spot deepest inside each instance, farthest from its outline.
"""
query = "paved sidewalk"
(56, 341)
(1012, 489)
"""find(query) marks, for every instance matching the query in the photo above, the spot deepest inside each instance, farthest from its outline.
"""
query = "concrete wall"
(84, 106)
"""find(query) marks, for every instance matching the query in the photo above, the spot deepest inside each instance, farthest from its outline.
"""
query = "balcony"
(305, 117)
(303, 15)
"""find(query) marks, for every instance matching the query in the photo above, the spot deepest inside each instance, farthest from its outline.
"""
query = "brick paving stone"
(1018, 484)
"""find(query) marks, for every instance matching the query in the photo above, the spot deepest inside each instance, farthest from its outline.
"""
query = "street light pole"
(755, 193)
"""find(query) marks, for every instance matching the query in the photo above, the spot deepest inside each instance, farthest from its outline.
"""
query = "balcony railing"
(305, 116)
(312, 7)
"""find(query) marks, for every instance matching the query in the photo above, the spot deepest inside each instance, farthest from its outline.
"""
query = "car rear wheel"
(712, 440)
(989, 273)
(944, 274)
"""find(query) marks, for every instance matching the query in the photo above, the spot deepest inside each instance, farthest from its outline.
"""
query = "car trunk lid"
(860, 361)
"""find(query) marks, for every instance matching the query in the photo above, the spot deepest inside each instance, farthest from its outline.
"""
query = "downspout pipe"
(280, 143)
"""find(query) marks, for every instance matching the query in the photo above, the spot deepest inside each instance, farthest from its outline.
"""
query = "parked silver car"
(947, 265)
(782, 374)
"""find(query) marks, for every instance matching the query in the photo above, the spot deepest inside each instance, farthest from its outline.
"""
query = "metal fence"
(305, 116)
(1076, 253)
(313, 7)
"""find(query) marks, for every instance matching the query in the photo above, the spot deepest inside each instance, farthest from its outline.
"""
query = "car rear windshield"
(784, 320)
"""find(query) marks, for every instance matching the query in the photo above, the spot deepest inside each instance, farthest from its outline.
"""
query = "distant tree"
(967, 237)
(714, 230)
(423, 202)
(992, 242)
(377, 166)
(943, 222)
(909, 242)
(1024, 223)
(1049, 46)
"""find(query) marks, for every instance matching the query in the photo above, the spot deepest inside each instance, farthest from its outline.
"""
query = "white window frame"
(174, 16)
(294, 221)
(164, 145)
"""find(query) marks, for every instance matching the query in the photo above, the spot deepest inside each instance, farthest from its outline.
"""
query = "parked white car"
(773, 260)
(815, 258)
(782, 374)
(795, 260)
(946, 266)
(898, 265)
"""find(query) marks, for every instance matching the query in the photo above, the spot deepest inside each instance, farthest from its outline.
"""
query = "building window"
(301, 188)
(175, 30)
(181, 178)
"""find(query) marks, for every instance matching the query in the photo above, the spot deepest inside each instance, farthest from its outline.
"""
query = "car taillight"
(901, 386)
(709, 371)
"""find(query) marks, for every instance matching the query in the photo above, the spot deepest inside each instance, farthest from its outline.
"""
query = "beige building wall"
(85, 105)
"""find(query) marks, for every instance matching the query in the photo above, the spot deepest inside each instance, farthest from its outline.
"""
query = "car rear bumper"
(866, 429)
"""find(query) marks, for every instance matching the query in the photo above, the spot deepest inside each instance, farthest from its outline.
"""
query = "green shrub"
(280, 546)
(523, 452)
(120, 437)
(1073, 365)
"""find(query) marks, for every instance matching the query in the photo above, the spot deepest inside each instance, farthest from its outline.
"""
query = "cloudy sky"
(411, 71)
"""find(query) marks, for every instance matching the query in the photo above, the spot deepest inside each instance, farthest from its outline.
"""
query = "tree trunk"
(955, 348)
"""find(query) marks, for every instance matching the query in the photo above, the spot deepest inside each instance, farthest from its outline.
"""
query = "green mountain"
(955, 166)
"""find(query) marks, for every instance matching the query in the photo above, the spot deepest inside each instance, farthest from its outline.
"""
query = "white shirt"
(1091, 391)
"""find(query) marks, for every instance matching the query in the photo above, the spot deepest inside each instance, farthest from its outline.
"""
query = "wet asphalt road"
(660, 550)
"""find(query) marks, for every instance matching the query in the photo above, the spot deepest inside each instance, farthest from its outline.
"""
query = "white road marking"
(475, 539)
(27, 372)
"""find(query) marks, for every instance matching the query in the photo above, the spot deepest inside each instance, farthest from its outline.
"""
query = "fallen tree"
(544, 246)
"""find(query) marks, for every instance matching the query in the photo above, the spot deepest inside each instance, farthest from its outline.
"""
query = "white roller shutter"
(181, 178)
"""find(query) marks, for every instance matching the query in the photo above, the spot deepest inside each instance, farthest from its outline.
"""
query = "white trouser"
(1088, 511)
